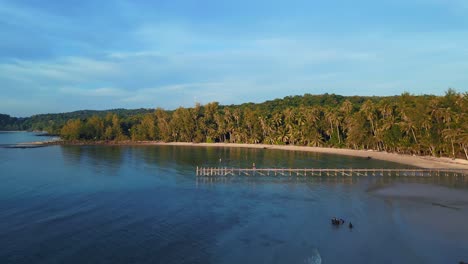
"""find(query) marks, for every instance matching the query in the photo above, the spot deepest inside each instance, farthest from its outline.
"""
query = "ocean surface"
(144, 204)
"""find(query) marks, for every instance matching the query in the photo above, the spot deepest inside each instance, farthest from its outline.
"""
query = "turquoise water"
(107, 204)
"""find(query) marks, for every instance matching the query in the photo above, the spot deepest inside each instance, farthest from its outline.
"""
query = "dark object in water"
(446, 206)
(368, 157)
(337, 222)
(350, 225)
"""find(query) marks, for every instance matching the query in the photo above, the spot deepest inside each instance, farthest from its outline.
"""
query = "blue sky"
(59, 56)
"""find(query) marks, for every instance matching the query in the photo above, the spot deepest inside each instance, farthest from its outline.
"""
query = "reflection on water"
(106, 159)
(276, 180)
(108, 204)
(456, 182)
(218, 157)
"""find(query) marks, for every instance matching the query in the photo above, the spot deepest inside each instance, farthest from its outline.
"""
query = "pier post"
(224, 171)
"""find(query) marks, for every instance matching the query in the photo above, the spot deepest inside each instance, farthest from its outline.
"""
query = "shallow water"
(7, 137)
(103, 204)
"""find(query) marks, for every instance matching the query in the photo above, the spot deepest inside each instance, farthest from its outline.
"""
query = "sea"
(145, 204)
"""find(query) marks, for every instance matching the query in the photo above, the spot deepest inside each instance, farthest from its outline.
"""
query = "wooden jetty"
(226, 171)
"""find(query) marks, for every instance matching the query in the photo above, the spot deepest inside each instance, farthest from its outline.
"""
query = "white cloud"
(67, 69)
(248, 69)
(135, 54)
(183, 91)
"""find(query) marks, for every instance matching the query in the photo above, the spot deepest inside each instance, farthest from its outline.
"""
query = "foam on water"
(315, 258)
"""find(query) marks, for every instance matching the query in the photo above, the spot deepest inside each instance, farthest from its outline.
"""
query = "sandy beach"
(417, 161)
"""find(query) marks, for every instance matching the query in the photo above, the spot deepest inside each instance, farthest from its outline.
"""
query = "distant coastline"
(417, 161)
(423, 125)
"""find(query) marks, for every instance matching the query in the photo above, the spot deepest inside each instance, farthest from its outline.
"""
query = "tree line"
(52, 123)
(420, 125)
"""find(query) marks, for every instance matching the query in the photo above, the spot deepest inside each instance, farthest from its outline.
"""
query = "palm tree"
(408, 125)
(311, 131)
(264, 126)
(221, 127)
(334, 120)
(346, 107)
(451, 135)
(368, 109)
(462, 139)
(358, 133)
(315, 138)
(229, 120)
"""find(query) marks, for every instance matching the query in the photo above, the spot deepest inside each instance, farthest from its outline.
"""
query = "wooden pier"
(344, 172)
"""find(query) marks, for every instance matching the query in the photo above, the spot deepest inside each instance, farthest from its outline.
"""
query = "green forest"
(410, 124)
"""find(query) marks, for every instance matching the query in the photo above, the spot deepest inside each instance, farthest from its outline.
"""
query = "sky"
(60, 56)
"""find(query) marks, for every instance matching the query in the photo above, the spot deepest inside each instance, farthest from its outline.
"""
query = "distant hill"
(53, 122)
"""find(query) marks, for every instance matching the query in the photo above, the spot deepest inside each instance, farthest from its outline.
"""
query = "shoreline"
(427, 162)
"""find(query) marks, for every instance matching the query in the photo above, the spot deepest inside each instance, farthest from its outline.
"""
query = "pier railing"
(335, 172)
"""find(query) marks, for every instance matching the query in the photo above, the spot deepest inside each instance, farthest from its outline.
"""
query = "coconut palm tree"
(334, 120)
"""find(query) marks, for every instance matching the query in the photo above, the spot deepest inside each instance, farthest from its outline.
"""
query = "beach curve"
(427, 162)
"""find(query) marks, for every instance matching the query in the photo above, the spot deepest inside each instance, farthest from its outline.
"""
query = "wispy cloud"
(67, 69)
(148, 54)
(95, 92)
